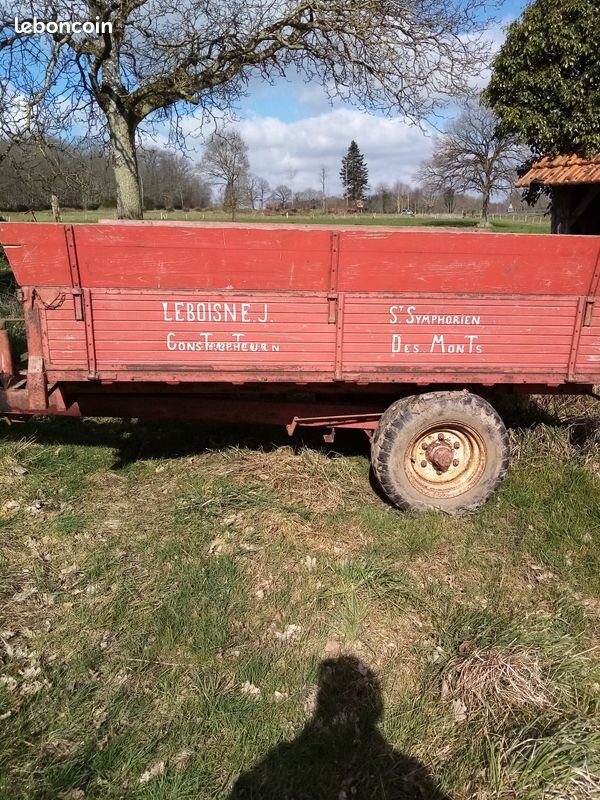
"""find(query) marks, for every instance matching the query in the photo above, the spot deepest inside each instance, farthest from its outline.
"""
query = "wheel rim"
(445, 460)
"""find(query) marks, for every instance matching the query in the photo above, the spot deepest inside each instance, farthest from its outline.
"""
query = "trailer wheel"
(440, 450)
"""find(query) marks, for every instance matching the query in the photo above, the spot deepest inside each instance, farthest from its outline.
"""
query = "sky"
(292, 131)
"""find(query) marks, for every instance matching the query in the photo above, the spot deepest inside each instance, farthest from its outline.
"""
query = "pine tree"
(354, 174)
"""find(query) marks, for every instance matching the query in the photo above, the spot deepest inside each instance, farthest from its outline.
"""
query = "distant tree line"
(81, 177)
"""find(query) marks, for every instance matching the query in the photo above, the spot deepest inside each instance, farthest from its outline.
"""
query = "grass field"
(538, 225)
(181, 606)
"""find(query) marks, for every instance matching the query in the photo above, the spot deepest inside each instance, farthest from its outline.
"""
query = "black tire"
(441, 450)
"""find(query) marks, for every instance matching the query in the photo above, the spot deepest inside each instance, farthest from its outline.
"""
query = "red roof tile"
(563, 170)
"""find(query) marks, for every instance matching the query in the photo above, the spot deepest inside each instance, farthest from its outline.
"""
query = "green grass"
(533, 225)
(170, 605)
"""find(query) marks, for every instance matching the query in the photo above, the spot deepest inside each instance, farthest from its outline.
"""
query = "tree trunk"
(55, 208)
(125, 166)
(485, 207)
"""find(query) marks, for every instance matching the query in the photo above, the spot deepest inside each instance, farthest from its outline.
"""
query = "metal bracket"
(74, 269)
(332, 296)
(332, 306)
(78, 303)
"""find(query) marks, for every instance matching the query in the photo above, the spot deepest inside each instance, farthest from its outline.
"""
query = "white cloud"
(294, 152)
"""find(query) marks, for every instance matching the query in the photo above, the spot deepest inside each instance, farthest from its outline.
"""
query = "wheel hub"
(445, 461)
(440, 455)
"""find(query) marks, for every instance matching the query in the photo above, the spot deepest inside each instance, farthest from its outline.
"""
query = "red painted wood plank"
(37, 253)
(207, 258)
(466, 262)
(213, 331)
(417, 334)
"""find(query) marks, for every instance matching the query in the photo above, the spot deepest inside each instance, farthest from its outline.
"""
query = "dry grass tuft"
(583, 786)
(10, 308)
(565, 407)
(309, 478)
(550, 760)
(538, 444)
(493, 681)
(564, 426)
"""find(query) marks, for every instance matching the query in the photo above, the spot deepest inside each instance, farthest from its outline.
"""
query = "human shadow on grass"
(340, 754)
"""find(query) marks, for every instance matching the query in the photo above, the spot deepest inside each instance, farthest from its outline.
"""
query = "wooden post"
(6, 363)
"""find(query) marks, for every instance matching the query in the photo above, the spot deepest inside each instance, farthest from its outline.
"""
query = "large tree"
(354, 174)
(161, 58)
(225, 163)
(282, 195)
(545, 85)
(473, 155)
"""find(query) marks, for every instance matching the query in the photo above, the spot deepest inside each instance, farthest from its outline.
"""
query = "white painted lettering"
(472, 346)
(438, 340)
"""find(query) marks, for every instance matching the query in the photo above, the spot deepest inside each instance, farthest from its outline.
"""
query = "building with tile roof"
(575, 187)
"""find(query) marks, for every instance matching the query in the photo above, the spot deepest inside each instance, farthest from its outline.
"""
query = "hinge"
(588, 313)
(78, 303)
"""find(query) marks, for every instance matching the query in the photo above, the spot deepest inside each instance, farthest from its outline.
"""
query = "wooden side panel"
(201, 302)
(37, 253)
(462, 262)
(64, 337)
(411, 335)
(234, 259)
(212, 332)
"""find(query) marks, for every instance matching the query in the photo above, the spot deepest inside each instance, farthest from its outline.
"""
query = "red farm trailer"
(396, 332)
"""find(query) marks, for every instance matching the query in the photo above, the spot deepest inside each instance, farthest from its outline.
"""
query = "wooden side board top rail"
(279, 258)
